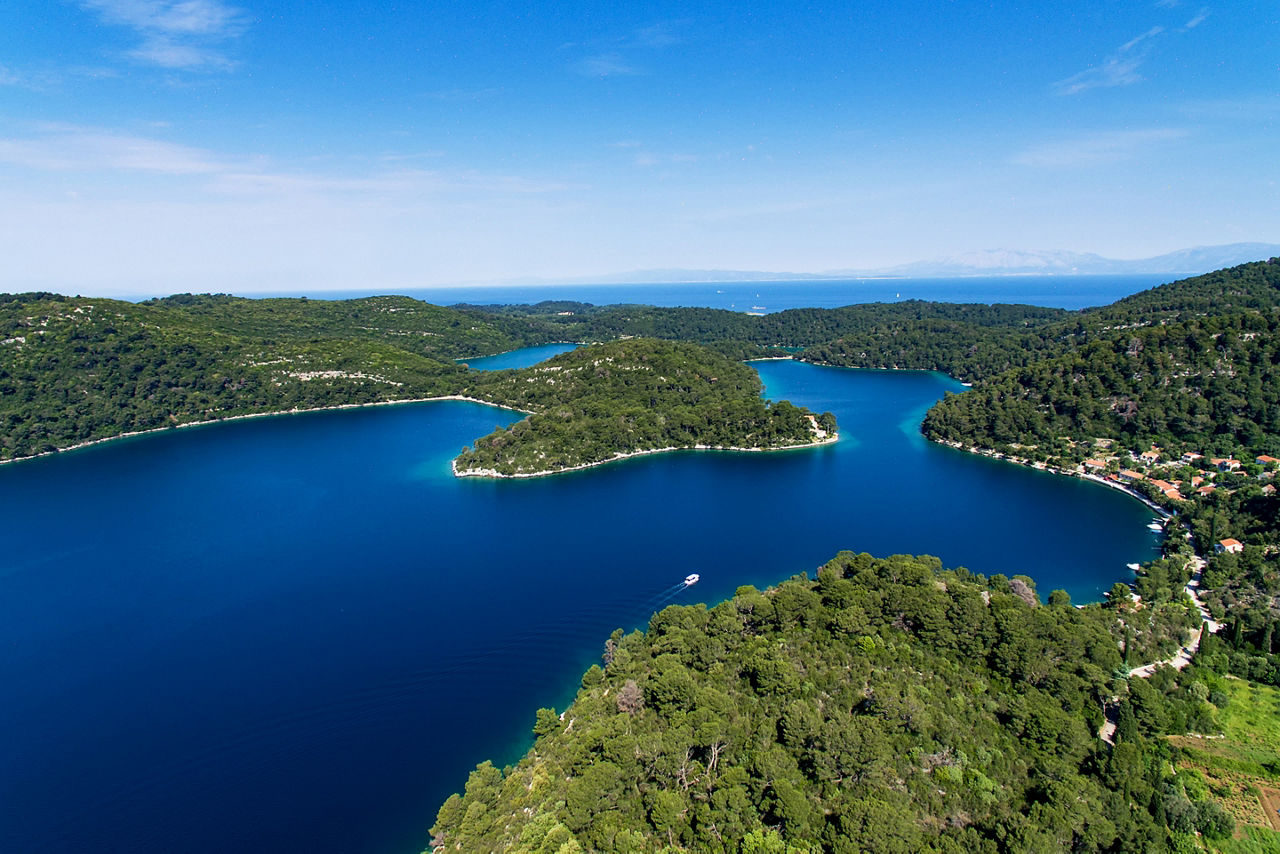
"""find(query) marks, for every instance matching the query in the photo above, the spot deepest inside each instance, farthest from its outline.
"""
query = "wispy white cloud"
(167, 53)
(1118, 69)
(97, 151)
(65, 148)
(1247, 108)
(662, 34)
(176, 34)
(648, 158)
(605, 65)
(1199, 19)
(1097, 149)
(210, 18)
(460, 95)
(613, 56)
(42, 79)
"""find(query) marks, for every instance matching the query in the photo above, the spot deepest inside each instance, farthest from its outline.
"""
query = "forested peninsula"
(893, 705)
(600, 403)
(888, 705)
(74, 371)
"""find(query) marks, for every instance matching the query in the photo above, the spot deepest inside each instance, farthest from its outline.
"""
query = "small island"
(75, 371)
(893, 705)
(611, 401)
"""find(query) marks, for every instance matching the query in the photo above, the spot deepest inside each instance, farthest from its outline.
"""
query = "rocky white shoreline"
(622, 455)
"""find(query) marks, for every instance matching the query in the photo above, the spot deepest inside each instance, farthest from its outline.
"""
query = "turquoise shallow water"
(300, 633)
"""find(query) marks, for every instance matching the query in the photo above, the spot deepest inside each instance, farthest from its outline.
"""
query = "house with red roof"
(1229, 546)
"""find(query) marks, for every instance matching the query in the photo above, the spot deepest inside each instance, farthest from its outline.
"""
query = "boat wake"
(659, 600)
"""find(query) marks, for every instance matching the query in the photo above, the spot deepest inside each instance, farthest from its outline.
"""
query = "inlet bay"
(301, 632)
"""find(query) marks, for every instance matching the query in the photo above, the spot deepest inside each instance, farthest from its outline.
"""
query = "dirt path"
(1271, 806)
(1180, 659)
(1183, 657)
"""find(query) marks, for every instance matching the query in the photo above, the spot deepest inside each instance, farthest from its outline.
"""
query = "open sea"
(765, 297)
(300, 633)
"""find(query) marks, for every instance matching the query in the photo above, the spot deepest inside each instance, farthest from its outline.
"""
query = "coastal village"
(1161, 479)
(1167, 482)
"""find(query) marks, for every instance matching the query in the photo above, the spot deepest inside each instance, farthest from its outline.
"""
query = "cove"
(301, 632)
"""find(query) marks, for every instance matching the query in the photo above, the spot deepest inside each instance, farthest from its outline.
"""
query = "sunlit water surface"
(300, 633)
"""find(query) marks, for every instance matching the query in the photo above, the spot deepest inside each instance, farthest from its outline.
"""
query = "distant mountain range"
(992, 262)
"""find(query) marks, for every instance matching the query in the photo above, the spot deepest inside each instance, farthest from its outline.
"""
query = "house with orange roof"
(1229, 546)
(1131, 476)
(1208, 489)
(1191, 458)
(1227, 464)
(1265, 460)
(1094, 465)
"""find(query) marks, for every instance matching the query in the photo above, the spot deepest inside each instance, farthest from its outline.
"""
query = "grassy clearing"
(1251, 840)
(1242, 766)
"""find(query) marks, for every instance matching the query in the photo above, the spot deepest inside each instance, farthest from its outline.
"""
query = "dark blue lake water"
(300, 633)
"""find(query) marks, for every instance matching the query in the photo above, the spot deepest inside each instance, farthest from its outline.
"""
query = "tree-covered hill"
(409, 324)
(1207, 383)
(1253, 287)
(888, 706)
(839, 335)
(75, 370)
(595, 403)
(1185, 369)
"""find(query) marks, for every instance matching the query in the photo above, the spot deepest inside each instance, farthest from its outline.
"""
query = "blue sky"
(156, 146)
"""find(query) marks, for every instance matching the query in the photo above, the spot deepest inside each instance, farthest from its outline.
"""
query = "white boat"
(1134, 566)
(691, 579)
(1156, 526)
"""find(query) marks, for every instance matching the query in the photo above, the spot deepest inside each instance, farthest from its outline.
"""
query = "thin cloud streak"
(208, 18)
(1096, 150)
(176, 34)
(72, 149)
(95, 151)
(1119, 69)
(605, 65)
(166, 53)
(1199, 19)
